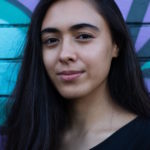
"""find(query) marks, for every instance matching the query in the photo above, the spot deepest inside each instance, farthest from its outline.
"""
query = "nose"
(67, 53)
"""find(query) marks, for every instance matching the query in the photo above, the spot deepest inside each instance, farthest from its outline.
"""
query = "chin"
(72, 94)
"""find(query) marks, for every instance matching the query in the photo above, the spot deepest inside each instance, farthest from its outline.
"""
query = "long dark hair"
(39, 114)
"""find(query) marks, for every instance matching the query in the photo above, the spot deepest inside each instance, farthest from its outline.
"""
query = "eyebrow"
(72, 28)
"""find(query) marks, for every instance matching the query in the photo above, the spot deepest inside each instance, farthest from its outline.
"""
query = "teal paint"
(145, 50)
(3, 102)
(8, 75)
(12, 14)
(5, 107)
(146, 66)
(12, 43)
(137, 13)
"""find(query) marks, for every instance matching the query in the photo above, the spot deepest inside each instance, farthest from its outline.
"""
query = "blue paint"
(12, 14)
(146, 66)
(12, 38)
(11, 42)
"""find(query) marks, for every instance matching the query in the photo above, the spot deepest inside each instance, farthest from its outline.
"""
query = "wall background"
(14, 22)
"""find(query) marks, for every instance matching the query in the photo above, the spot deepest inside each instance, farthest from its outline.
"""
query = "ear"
(115, 52)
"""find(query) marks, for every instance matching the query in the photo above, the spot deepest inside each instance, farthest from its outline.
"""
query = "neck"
(95, 108)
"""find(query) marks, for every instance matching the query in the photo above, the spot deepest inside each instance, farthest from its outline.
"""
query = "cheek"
(99, 68)
(98, 61)
(97, 55)
(49, 61)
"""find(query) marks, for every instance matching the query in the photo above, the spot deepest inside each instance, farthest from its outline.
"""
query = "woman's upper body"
(79, 82)
(134, 135)
(82, 139)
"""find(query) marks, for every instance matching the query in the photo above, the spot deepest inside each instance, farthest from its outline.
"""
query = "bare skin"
(94, 121)
(95, 115)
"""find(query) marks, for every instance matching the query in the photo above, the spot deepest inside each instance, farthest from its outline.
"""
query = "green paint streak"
(146, 66)
(12, 14)
(3, 102)
(5, 107)
(137, 13)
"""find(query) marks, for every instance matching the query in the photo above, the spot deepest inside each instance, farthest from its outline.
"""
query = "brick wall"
(14, 21)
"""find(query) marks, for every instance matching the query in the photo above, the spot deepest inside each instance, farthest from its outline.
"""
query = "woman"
(80, 85)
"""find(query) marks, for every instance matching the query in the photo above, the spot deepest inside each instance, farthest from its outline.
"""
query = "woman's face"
(77, 48)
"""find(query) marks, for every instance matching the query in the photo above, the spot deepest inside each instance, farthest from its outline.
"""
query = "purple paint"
(143, 37)
(124, 6)
(29, 4)
(147, 15)
(147, 82)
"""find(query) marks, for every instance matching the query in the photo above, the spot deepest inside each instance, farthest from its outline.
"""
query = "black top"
(133, 136)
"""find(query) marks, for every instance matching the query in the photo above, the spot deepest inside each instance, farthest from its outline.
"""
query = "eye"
(51, 42)
(84, 37)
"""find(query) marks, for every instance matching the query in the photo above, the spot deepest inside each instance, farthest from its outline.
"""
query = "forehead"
(65, 13)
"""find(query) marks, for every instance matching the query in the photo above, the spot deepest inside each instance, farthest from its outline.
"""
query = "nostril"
(67, 52)
(68, 58)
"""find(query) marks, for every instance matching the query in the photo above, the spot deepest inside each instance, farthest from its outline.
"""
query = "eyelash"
(83, 37)
(51, 41)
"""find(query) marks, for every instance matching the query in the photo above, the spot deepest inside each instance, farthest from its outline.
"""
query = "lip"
(69, 75)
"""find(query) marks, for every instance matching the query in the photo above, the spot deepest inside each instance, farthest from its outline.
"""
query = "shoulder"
(142, 126)
(142, 135)
(133, 136)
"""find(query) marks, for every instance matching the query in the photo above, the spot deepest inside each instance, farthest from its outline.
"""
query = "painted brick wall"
(14, 21)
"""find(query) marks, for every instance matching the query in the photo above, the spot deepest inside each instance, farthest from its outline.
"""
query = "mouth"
(69, 75)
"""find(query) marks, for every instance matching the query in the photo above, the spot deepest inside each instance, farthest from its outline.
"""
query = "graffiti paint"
(14, 21)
